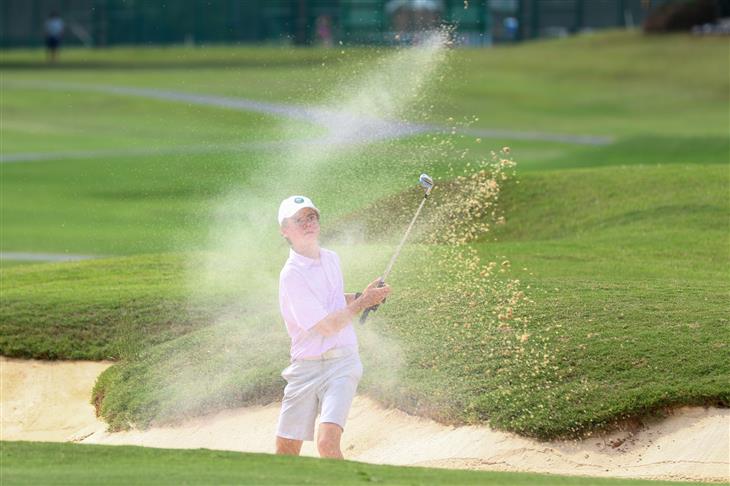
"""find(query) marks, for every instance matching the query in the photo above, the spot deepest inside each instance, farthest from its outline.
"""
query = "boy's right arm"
(336, 321)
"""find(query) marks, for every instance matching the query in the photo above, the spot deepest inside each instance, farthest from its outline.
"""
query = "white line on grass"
(372, 128)
(114, 153)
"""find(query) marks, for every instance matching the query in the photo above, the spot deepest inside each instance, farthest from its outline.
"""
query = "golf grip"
(364, 315)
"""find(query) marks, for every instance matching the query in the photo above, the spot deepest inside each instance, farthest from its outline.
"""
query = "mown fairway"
(36, 463)
(623, 247)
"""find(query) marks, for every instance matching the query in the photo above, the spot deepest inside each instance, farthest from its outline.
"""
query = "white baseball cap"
(292, 204)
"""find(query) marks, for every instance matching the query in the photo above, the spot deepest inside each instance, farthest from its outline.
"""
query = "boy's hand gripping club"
(427, 184)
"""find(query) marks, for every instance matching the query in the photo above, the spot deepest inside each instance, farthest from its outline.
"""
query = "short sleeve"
(298, 302)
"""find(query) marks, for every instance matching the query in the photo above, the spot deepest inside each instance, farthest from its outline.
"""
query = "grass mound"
(613, 314)
(218, 367)
(100, 309)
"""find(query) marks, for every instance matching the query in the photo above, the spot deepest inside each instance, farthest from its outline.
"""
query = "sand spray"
(246, 344)
(465, 301)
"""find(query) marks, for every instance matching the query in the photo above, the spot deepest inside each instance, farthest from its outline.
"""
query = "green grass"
(620, 304)
(158, 203)
(623, 247)
(218, 367)
(41, 119)
(634, 84)
(134, 205)
(79, 314)
(660, 112)
(155, 203)
(34, 463)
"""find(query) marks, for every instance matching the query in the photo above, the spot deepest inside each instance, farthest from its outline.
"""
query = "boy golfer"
(325, 365)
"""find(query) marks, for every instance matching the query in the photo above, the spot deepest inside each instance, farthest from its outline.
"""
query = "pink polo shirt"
(309, 290)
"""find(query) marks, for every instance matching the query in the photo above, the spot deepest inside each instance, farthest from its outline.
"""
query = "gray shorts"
(325, 387)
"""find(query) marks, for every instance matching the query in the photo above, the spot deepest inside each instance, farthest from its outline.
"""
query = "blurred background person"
(324, 30)
(53, 29)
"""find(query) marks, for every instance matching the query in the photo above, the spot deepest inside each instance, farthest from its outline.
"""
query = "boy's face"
(303, 228)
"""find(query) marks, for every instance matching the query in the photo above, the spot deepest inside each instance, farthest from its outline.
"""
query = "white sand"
(49, 401)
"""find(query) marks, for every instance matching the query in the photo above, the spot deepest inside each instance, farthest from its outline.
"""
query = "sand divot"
(49, 401)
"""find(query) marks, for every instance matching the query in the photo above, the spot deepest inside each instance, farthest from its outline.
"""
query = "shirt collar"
(302, 260)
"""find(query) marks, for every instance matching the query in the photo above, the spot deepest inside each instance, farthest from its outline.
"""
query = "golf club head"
(426, 182)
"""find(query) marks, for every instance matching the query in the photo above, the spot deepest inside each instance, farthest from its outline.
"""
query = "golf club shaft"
(402, 242)
(365, 313)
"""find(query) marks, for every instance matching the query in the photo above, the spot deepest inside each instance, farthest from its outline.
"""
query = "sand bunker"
(49, 401)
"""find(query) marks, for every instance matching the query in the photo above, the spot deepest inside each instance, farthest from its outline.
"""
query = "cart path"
(112, 153)
(337, 123)
(372, 129)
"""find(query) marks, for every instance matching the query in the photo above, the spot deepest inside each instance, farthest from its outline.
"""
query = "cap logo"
(299, 200)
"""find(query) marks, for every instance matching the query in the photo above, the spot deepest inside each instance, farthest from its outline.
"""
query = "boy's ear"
(283, 228)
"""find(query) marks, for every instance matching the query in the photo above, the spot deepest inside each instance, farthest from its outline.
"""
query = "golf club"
(427, 184)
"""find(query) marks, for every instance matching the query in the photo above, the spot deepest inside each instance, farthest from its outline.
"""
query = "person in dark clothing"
(53, 29)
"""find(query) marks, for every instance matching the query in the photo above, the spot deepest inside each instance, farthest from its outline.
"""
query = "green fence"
(477, 22)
